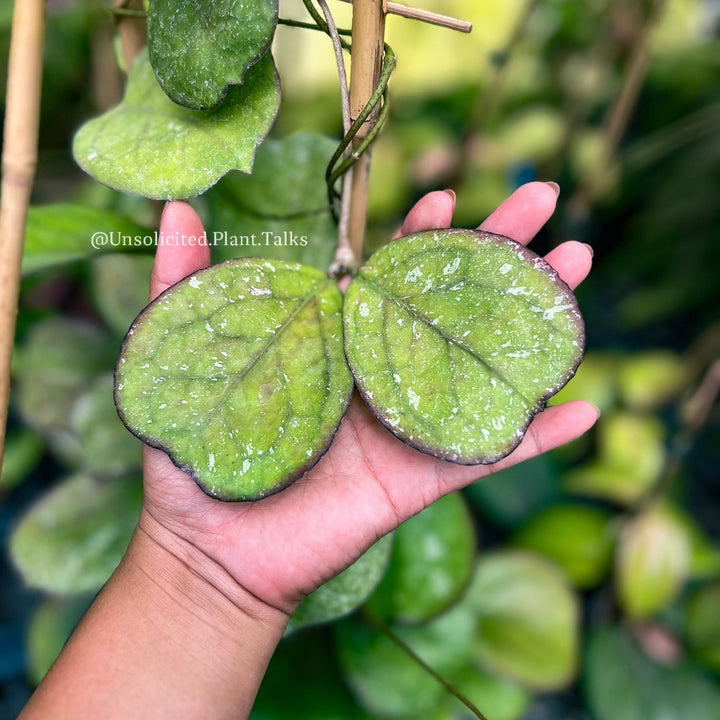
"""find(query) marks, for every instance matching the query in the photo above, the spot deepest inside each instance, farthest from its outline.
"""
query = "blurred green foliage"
(597, 572)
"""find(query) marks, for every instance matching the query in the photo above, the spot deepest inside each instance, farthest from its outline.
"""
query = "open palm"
(279, 549)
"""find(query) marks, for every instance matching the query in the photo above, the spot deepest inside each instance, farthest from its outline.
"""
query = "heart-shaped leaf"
(431, 564)
(281, 210)
(345, 592)
(199, 48)
(72, 539)
(150, 146)
(528, 620)
(238, 373)
(456, 338)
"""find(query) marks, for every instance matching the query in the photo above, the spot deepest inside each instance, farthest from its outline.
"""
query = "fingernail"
(590, 248)
(451, 193)
(555, 187)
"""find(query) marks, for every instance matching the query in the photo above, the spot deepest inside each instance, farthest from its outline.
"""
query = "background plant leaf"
(238, 373)
(431, 564)
(456, 338)
(72, 539)
(386, 680)
(527, 620)
(621, 683)
(107, 448)
(61, 233)
(197, 49)
(653, 562)
(283, 201)
(120, 288)
(579, 538)
(150, 146)
(345, 592)
(46, 391)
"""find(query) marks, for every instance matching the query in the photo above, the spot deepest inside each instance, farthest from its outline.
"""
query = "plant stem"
(132, 30)
(368, 32)
(343, 254)
(19, 160)
(385, 630)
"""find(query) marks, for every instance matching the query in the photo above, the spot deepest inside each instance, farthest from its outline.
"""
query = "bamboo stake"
(368, 33)
(19, 160)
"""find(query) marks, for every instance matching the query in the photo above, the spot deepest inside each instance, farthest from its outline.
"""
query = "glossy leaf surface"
(431, 564)
(456, 338)
(281, 209)
(72, 539)
(238, 373)
(199, 48)
(527, 620)
(150, 146)
(346, 591)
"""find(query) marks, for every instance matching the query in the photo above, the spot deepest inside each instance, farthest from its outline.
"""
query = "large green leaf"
(345, 592)
(238, 373)
(72, 539)
(386, 680)
(580, 538)
(150, 146)
(527, 620)
(50, 627)
(63, 233)
(431, 564)
(456, 338)
(199, 48)
(281, 210)
(623, 684)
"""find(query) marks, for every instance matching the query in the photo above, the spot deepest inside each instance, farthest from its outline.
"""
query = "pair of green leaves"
(455, 339)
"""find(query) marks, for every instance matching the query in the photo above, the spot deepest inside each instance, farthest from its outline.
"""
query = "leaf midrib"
(448, 338)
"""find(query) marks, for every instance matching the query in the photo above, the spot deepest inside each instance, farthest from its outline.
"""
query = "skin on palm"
(271, 553)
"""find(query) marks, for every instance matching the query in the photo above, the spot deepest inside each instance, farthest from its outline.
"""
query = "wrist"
(196, 581)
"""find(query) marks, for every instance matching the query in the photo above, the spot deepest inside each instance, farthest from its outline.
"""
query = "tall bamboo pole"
(19, 160)
(368, 42)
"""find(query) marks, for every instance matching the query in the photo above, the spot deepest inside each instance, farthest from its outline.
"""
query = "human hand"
(269, 554)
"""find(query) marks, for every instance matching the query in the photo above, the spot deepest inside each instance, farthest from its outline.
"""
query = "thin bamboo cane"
(368, 41)
(19, 160)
